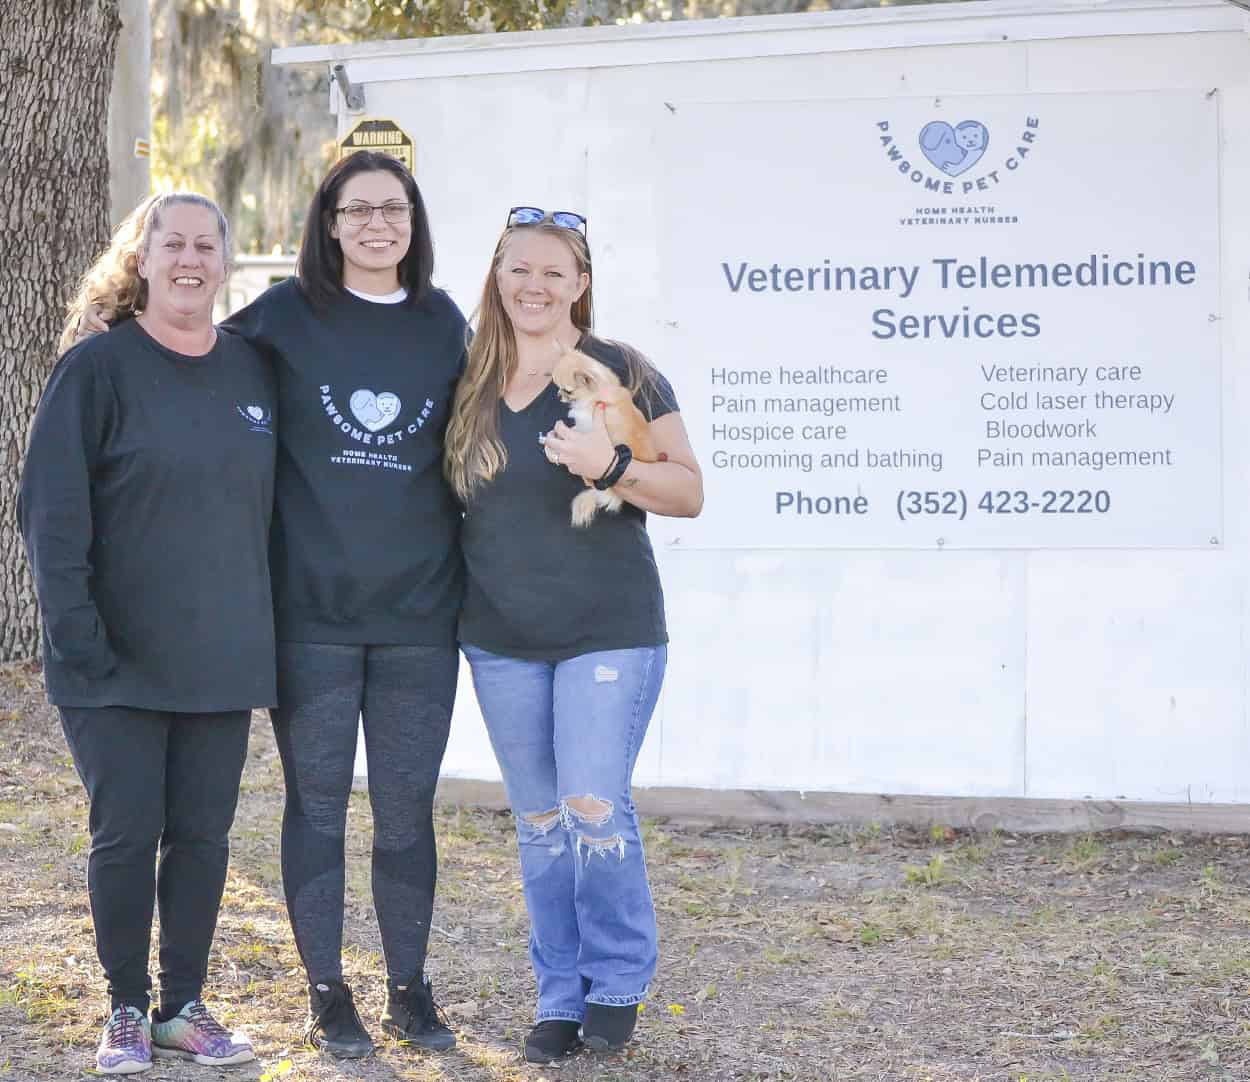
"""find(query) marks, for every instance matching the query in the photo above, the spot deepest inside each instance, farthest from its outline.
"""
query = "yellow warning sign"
(384, 136)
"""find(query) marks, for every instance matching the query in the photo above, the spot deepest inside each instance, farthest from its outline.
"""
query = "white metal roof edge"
(975, 21)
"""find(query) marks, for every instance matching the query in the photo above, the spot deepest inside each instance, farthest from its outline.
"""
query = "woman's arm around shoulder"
(258, 322)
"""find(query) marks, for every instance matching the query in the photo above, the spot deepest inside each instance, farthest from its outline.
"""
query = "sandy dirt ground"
(821, 954)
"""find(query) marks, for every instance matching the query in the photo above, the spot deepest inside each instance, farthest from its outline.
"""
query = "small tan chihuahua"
(585, 383)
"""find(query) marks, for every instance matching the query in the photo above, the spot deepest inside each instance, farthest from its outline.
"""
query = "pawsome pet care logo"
(257, 417)
(961, 158)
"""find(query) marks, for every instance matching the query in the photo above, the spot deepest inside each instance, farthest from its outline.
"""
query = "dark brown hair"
(320, 265)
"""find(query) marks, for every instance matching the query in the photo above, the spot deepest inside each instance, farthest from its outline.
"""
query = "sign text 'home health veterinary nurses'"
(973, 322)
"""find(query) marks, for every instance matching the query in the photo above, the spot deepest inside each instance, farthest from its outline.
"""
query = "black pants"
(162, 782)
(403, 695)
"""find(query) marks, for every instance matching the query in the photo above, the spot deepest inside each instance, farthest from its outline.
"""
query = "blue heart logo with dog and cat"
(957, 149)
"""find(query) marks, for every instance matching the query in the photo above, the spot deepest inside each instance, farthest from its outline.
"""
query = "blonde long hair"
(112, 285)
(472, 451)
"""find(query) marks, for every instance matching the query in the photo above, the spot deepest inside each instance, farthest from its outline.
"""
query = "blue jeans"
(567, 735)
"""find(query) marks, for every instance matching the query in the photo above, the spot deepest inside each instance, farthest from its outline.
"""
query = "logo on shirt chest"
(375, 411)
(371, 414)
(258, 418)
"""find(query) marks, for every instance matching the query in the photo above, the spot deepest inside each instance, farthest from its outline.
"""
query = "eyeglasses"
(393, 212)
(565, 219)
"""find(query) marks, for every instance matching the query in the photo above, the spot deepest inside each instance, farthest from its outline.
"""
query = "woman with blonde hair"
(564, 627)
(145, 505)
(110, 290)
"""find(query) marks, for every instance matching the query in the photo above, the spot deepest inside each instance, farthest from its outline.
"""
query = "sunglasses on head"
(565, 219)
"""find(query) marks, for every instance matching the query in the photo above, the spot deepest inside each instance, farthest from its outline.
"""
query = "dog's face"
(578, 377)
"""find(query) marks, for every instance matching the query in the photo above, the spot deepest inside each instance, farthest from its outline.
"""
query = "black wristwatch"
(624, 456)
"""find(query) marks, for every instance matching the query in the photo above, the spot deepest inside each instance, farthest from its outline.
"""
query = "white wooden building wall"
(1071, 674)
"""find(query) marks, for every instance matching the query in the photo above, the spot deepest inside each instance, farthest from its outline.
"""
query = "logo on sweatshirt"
(257, 417)
(368, 413)
(374, 411)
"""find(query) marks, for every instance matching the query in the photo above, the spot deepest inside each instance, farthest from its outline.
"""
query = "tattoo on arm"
(629, 482)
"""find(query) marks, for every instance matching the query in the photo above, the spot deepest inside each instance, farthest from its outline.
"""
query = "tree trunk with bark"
(56, 66)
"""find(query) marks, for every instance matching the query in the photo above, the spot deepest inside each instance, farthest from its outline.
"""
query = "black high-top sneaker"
(608, 1029)
(412, 1016)
(551, 1040)
(333, 1024)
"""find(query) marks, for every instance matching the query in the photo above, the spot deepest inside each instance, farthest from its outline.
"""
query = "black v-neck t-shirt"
(537, 587)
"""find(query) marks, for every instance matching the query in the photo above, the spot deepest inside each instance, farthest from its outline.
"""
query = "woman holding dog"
(564, 627)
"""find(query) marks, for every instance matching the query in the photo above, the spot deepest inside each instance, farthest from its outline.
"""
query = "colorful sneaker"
(196, 1035)
(125, 1044)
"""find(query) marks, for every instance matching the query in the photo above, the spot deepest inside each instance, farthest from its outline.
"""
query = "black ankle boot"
(608, 1029)
(550, 1040)
(412, 1016)
(333, 1024)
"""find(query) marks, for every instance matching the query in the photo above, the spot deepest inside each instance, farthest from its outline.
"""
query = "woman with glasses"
(366, 575)
(145, 505)
(564, 627)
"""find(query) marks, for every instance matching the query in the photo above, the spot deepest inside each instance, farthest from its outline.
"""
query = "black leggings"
(404, 696)
(164, 781)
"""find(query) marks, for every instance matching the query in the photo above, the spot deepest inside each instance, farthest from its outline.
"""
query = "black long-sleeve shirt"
(365, 533)
(145, 505)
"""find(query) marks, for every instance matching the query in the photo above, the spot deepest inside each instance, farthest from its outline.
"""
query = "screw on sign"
(381, 135)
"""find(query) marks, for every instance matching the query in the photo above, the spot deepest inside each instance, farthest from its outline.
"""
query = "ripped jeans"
(567, 735)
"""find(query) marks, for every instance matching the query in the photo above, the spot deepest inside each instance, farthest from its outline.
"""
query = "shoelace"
(421, 1003)
(205, 1022)
(336, 999)
(125, 1030)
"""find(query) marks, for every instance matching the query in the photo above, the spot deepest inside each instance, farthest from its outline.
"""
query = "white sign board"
(975, 322)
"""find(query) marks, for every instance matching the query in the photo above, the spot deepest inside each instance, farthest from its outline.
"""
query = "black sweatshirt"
(538, 587)
(365, 536)
(145, 505)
